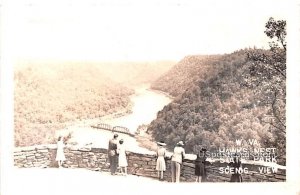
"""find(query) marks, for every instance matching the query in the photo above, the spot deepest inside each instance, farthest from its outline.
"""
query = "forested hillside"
(49, 95)
(186, 72)
(135, 73)
(241, 96)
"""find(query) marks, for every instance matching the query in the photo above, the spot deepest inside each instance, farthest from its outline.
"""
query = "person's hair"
(180, 144)
(59, 138)
(121, 141)
(116, 135)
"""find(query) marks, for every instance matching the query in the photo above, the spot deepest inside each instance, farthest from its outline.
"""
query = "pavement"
(57, 181)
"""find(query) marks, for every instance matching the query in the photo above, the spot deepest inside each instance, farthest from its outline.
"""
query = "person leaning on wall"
(236, 165)
(176, 161)
(200, 171)
(60, 155)
(122, 157)
(160, 162)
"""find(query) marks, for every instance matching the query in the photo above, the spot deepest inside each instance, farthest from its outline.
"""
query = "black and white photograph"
(149, 96)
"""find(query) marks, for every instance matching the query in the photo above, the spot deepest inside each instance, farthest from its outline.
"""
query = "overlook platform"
(56, 181)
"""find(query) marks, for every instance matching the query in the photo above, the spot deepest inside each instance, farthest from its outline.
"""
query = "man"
(176, 161)
(112, 154)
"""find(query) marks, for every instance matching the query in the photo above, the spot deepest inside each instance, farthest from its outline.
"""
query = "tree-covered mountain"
(135, 73)
(186, 72)
(214, 113)
(47, 96)
(50, 93)
(241, 96)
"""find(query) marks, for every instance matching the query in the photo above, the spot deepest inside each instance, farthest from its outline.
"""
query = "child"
(122, 157)
(60, 156)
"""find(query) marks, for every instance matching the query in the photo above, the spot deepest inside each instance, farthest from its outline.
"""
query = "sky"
(135, 30)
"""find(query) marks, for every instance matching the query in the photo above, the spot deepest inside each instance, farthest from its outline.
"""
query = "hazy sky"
(137, 29)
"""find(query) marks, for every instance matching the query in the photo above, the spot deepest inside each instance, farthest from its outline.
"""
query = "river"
(146, 104)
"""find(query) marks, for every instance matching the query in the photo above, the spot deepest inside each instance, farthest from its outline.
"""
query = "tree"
(268, 75)
(268, 72)
(276, 29)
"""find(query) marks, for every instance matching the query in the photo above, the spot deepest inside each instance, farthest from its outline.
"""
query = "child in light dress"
(122, 157)
(60, 155)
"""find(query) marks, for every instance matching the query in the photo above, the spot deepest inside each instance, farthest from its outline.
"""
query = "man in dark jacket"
(112, 154)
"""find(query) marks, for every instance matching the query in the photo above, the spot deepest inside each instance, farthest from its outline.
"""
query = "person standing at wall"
(112, 154)
(160, 162)
(200, 171)
(237, 165)
(176, 161)
(60, 155)
(122, 157)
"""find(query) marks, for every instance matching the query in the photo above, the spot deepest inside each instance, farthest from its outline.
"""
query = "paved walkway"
(55, 181)
(39, 181)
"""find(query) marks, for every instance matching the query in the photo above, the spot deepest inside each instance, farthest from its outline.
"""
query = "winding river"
(146, 104)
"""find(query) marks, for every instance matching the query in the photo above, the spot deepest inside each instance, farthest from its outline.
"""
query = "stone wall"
(138, 164)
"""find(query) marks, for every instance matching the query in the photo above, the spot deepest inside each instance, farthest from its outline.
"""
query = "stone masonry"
(138, 164)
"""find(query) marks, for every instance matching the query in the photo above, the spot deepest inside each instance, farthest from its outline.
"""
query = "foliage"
(229, 103)
(268, 71)
(49, 96)
(186, 72)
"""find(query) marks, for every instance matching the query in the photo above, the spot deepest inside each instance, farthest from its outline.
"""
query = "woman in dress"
(237, 164)
(200, 165)
(160, 163)
(122, 157)
(60, 155)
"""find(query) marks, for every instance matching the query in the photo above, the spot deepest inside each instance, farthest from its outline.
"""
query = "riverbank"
(142, 109)
(145, 105)
(162, 92)
(124, 112)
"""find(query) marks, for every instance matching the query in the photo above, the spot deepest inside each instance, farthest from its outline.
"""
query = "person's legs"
(125, 170)
(161, 175)
(109, 162)
(114, 164)
(173, 169)
(177, 168)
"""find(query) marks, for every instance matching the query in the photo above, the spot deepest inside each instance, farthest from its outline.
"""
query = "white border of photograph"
(291, 186)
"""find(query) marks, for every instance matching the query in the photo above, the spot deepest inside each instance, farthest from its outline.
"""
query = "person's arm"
(118, 149)
(183, 154)
(108, 148)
